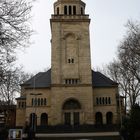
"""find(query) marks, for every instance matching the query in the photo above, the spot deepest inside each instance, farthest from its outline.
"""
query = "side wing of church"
(69, 93)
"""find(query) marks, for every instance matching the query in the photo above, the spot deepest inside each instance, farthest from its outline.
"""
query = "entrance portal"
(71, 110)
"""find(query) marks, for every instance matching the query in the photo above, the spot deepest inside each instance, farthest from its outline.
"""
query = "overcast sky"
(107, 28)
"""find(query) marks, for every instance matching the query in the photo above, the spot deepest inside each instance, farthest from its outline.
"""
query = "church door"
(67, 118)
(71, 110)
(76, 117)
(72, 118)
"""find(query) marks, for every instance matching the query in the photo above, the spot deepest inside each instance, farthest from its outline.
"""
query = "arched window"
(33, 121)
(99, 118)
(44, 119)
(57, 10)
(74, 10)
(65, 10)
(71, 104)
(71, 112)
(109, 117)
(70, 11)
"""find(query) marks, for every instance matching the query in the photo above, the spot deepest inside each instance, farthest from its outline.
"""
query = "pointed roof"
(43, 80)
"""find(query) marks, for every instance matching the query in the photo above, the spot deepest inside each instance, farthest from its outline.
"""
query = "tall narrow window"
(106, 100)
(82, 11)
(32, 101)
(35, 101)
(41, 101)
(72, 60)
(45, 101)
(74, 10)
(97, 101)
(38, 101)
(100, 100)
(65, 10)
(103, 100)
(70, 12)
(57, 10)
(109, 100)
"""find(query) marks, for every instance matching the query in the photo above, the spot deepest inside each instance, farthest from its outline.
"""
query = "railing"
(77, 128)
(70, 16)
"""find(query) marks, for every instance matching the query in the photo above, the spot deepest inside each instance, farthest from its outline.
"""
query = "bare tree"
(129, 86)
(10, 89)
(126, 69)
(14, 30)
(11, 85)
(129, 50)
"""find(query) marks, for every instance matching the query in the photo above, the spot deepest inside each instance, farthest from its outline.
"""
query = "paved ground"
(80, 136)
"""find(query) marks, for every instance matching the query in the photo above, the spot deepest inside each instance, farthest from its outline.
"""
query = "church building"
(70, 92)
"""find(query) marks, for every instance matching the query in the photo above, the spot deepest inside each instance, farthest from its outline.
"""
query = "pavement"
(101, 134)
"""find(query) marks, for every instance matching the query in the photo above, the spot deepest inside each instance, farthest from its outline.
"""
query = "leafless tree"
(126, 69)
(129, 50)
(129, 86)
(11, 85)
(14, 30)
(10, 89)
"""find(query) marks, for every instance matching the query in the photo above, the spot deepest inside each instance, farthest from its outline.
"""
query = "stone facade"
(70, 93)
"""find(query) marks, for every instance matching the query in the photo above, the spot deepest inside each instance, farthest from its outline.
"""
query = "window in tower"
(71, 60)
(71, 81)
(57, 10)
(65, 10)
(70, 12)
(74, 10)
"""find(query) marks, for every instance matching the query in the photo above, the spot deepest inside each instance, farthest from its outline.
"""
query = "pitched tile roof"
(40, 80)
(100, 80)
(43, 80)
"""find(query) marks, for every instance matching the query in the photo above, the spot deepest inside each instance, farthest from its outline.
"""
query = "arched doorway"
(109, 117)
(71, 110)
(99, 118)
(44, 119)
(33, 121)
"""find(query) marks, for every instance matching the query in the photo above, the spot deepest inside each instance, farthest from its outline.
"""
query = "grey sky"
(108, 18)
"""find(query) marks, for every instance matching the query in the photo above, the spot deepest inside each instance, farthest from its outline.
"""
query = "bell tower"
(70, 59)
(71, 79)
